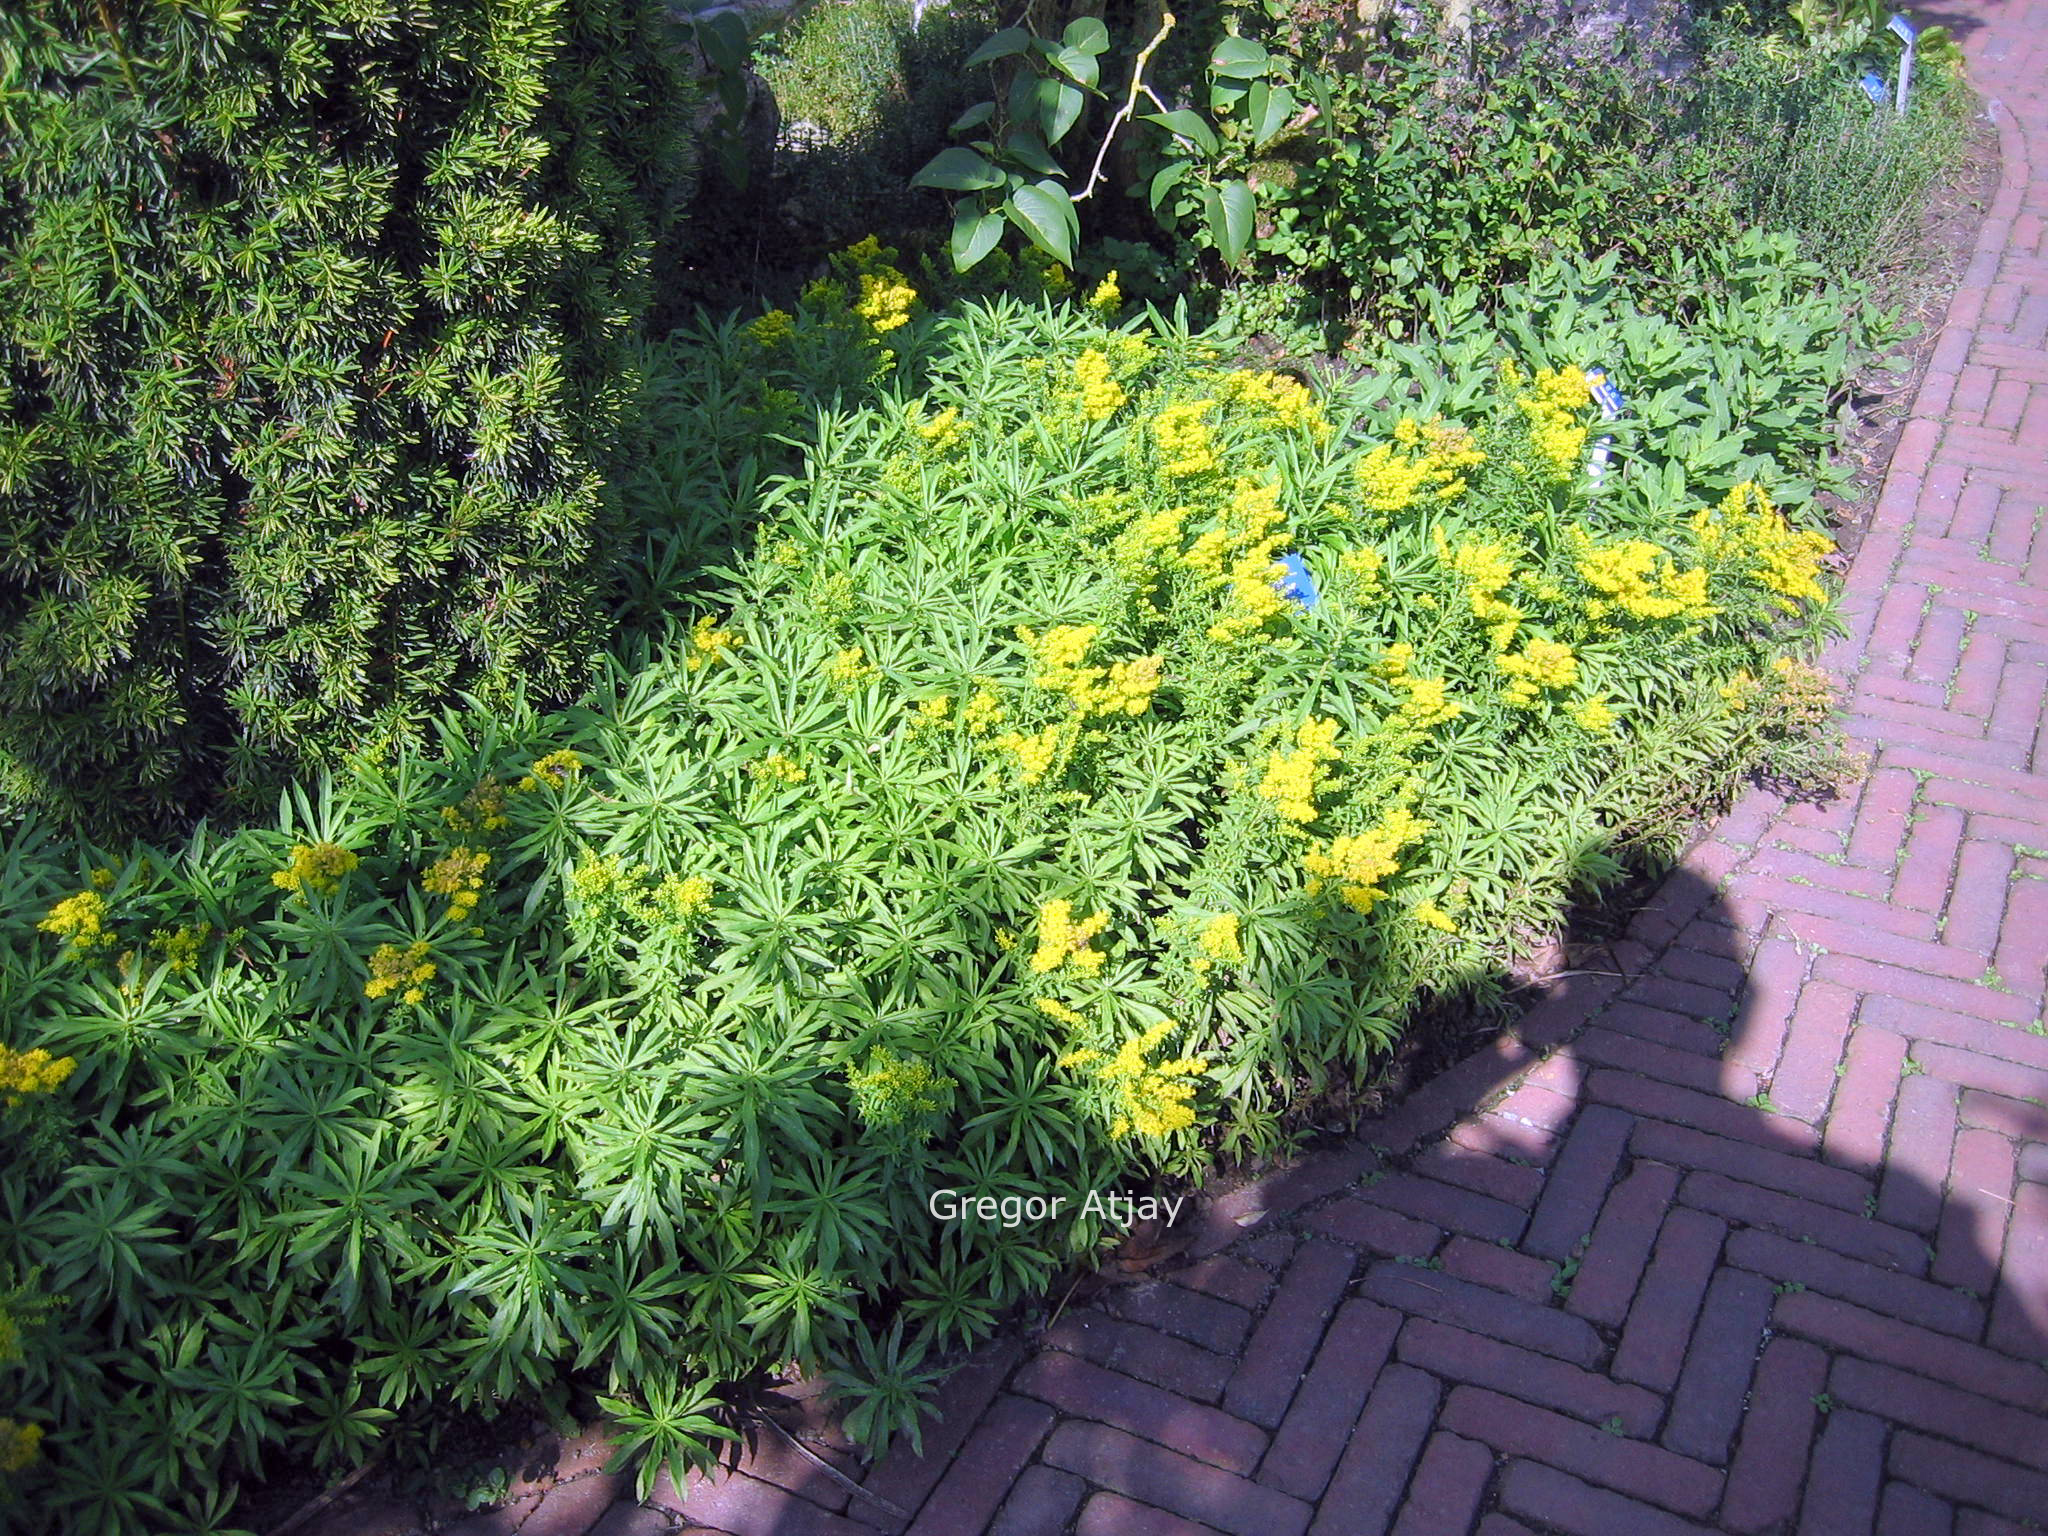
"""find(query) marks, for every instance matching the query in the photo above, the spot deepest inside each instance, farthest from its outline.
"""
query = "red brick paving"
(1618, 1274)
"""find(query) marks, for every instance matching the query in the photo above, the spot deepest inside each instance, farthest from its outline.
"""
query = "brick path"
(1755, 1241)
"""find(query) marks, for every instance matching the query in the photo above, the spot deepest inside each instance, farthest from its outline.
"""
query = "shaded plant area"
(313, 375)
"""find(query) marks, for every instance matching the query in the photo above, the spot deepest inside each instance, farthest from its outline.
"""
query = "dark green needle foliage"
(315, 320)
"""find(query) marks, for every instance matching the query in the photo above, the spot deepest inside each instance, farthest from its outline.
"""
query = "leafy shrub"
(311, 322)
(995, 822)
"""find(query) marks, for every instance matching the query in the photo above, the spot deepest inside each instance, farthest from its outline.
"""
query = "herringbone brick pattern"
(1753, 1238)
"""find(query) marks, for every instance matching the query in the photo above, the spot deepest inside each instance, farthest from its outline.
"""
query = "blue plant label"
(1903, 29)
(1604, 393)
(1297, 586)
(1874, 88)
(1596, 461)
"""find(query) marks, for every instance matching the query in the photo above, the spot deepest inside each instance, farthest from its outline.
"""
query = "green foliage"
(312, 372)
(988, 822)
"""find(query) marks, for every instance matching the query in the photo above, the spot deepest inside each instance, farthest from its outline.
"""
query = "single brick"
(1449, 1482)
(1151, 1474)
(1857, 1236)
(1972, 1232)
(1842, 1482)
(1622, 1238)
(1451, 1162)
(1804, 1081)
(1501, 1269)
(1111, 1514)
(1448, 1207)
(1558, 1499)
(1652, 1349)
(1965, 1476)
(1577, 1184)
(1916, 1162)
(1432, 1293)
(1215, 1325)
(1816, 1268)
(1042, 1503)
(1940, 1410)
(1364, 1225)
(1706, 1407)
(1369, 1479)
(1841, 1326)
(1770, 1461)
(1286, 1337)
(1145, 1353)
(746, 1506)
(1085, 1390)
(1801, 1176)
(966, 1498)
(1227, 1279)
(1314, 1433)
(1640, 1470)
(1470, 1357)
(1906, 1511)
(1646, 1059)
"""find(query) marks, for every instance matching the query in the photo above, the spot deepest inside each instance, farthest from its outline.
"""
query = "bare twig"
(1123, 113)
(835, 1474)
(313, 1507)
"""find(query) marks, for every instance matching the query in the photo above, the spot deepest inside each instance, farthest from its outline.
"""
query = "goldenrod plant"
(1087, 755)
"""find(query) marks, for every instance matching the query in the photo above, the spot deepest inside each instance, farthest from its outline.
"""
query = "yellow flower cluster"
(892, 1090)
(1366, 567)
(1640, 579)
(81, 921)
(1359, 865)
(18, 1445)
(1056, 1010)
(479, 811)
(1539, 665)
(1101, 395)
(1186, 444)
(1122, 688)
(929, 714)
(1107, 297)
(1242, 553)
(1038, 752)
(1222, 942)
(315, 867)
(1425, 459)
(1271, 399)
(683, 899)
(1487, 568)
(983, 712)
(1748, 531)
(1428, 704)
(554, 771)
(1430, 915)
(1148, 1098)
(773, 328)
(460, 877)
(1062, 941)
(26, 1072)
(885, 300)
(707, 643)
(179, 947)
(944, 431)
(777, 768)
(1294, 778)
(851, 670)
(1555, 404)
(1139, 547)
(1593, 713)
(393, 968)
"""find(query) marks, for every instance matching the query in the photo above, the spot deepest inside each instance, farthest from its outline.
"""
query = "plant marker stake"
(1608, 398)
(1873, 87)
(1905, 32)
(1297, 586)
